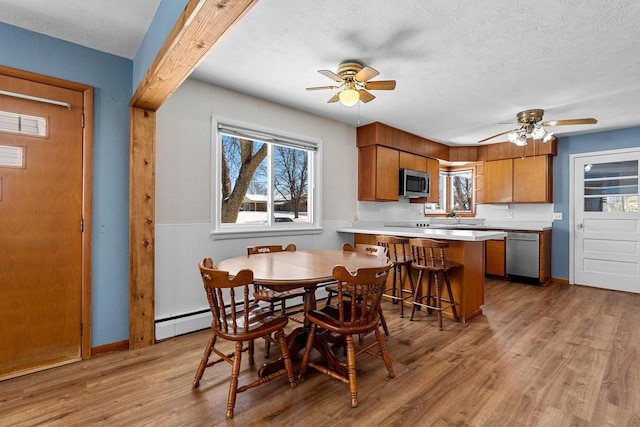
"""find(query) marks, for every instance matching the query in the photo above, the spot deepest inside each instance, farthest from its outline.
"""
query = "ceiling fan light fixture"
(547, 137)
(349, 97)
(538, 132)
(512, 137)
(521, 140)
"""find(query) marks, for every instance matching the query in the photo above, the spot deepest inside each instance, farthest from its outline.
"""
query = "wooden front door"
(41, 207)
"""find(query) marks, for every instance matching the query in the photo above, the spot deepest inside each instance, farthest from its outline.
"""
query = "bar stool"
(428, 255)
(397, 254)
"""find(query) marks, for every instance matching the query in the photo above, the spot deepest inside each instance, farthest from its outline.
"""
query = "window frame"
(220, 231)
(444, 175)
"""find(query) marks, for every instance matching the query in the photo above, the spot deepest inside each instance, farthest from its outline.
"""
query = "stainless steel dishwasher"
(523, 256)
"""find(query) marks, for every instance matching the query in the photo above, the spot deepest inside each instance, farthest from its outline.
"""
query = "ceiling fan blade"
(322, 87)
(496, 135)
(587, 121)
(334, 98)
(365, 96)
(367, 73)
(333, 76)
(381, 85)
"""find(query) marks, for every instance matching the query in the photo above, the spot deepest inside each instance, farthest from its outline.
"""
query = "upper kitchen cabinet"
(378, 173)
(379, 146)
(413, 162)
(519, 180)
(498, 181)
(533, 179)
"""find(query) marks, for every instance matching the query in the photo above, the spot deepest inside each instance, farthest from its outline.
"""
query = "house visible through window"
(265, 180)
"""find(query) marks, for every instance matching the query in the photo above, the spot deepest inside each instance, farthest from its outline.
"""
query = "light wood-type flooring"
(556, 356)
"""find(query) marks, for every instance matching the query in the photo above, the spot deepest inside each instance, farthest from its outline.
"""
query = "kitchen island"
(466, 247)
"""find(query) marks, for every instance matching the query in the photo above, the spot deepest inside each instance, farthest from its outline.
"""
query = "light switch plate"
(557, 216)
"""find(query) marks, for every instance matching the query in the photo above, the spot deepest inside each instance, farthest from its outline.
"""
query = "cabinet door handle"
(579, 225)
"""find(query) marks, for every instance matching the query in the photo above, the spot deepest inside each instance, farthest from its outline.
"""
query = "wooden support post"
(141, 227)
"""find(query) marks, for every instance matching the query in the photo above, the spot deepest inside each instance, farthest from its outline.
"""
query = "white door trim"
(572, 159)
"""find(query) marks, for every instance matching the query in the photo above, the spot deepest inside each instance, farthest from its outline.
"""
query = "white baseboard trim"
(183, 325)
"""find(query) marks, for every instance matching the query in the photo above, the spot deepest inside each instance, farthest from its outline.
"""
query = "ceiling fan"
(531, 126)
(353, 79)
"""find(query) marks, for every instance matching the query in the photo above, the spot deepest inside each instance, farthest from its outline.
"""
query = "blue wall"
(163, 21)
(601, 141)
(111, 78)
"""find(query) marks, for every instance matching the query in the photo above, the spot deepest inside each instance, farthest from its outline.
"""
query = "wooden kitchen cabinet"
(378, 173)
(520, 180)
(413, 162)
(496, 258)
(498, 181)
(433, 167)
(533, 179)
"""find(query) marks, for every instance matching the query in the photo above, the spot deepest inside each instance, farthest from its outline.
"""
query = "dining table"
(282, 271)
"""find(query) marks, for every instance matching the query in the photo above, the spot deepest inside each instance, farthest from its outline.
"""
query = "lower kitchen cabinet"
(495, 258)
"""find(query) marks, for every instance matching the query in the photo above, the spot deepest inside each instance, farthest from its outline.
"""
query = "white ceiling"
(464, 68)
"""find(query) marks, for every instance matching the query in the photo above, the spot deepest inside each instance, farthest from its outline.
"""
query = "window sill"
(271, 232)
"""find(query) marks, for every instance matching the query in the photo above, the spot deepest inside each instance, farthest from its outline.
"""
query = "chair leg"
(452, 302)
(251, 352)
(307, 352)
(417, 294)
(267, 346)
(400, 292)
(430, 293)
(233, 385)
(383, 321)
(411, 284)
(204, 361)
(385, 354)
(438, 302)
(286, 357)
(351, 371)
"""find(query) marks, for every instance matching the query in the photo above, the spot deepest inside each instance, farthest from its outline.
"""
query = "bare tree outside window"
(263, 182)
(462, 191)
(291, 174)
(241, 158)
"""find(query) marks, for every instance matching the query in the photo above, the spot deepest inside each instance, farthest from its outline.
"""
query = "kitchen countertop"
(435, 233)
(468, 229)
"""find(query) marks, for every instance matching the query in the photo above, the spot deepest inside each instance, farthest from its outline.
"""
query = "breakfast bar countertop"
(434, 233)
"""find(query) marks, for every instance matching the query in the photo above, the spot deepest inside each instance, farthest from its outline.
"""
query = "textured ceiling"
(112, 26)
(464, 68)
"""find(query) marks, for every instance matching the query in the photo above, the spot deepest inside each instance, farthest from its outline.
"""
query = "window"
(611, 187)
(265, 182)
(456, 192)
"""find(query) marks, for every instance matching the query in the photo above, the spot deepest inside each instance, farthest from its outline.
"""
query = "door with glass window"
(606, 222)
(41, 207)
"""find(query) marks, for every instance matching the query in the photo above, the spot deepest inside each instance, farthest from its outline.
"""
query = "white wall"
(183, 191)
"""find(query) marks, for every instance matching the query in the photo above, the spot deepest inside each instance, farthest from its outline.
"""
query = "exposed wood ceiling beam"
(200, 27)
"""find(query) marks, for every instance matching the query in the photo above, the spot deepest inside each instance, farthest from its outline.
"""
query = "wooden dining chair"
(401, 258)
(356, 313)
(262, 293)
(237, 319)
(429, 256)
(373, 250)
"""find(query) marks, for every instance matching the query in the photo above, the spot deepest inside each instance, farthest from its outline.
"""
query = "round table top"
(287, 270)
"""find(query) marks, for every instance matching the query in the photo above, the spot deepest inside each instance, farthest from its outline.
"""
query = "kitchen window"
(456, 193)
(266, 183)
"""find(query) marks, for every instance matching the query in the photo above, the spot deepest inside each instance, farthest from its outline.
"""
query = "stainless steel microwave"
(414, 183)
